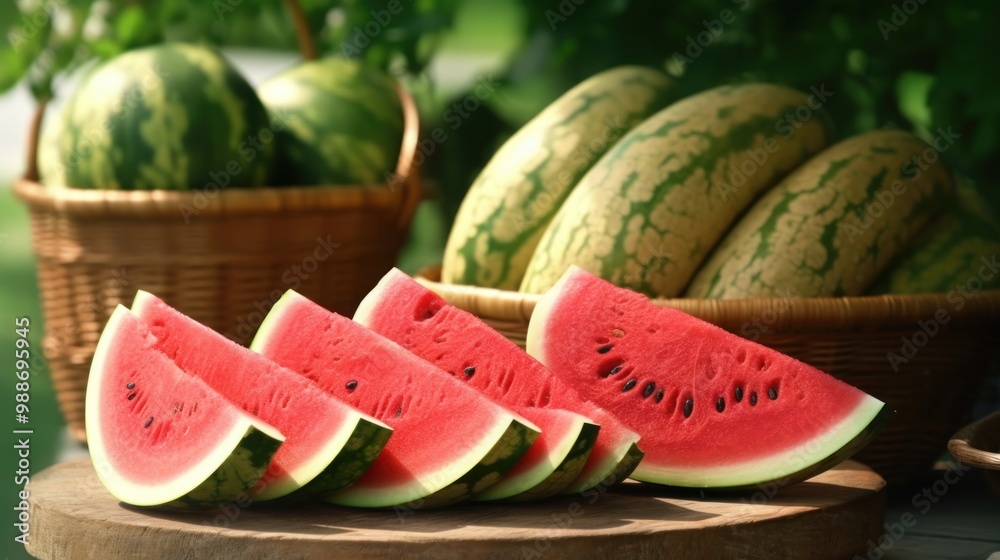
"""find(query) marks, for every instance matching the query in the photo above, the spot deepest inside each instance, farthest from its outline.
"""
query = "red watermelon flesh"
(713, 409)
(454, 340)
(328, 443)
(160, 437)
(448, 442)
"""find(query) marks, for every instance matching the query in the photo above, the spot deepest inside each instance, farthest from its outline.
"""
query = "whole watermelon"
(341, 123)
(171, 116)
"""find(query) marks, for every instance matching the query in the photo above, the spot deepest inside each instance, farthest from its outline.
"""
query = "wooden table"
(833, 515)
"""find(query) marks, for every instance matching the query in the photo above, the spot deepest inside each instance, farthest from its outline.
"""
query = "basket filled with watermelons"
(865, 257)
(165, 169)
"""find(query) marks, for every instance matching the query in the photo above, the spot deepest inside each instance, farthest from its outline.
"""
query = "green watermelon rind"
(947, 254)
(816, 234)
(341, 123)
(804, 461)
(478, 470)
(622, 470)
(570, 456)
(173, 117)
(568, 471)
(229, 473)
(351, 459)
(512, 201)
(652, 208)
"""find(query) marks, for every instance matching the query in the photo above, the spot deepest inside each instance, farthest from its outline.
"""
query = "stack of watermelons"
(735, 192)
(179, 116)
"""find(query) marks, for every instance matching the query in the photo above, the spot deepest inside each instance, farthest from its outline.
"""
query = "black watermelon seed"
(648, 390)
(772, 394)
(148, 422)
(130, 385)
(720, 404)
(131, 396)
(753, 398)
(352, 385)
(399, 412)
(659, 395)
(688, 407)
(629, 384)
(739, 394)
(469, 371)
(604, 349)
(615, 370)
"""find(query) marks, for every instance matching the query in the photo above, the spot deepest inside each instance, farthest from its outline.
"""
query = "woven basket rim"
(778, 314)
(402, 192)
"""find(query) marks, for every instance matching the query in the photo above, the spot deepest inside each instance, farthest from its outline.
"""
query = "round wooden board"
(830, 516)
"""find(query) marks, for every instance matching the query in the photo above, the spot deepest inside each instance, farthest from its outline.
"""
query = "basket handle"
(34, 136)
(407, 176)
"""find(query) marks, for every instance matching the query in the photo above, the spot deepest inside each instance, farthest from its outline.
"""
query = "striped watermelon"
(953, 251)
(509, 205)
(342, 123)
(831, 226)
(652, 208)
(171, 116)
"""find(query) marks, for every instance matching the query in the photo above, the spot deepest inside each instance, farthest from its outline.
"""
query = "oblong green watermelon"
(470, 350)
(341, 123)
(648, 213)
(956, 251)
(713, 409)
(449, 442)
(171, 116)
(160, 437)
(832, 225)
(514, 198)
(328, 443)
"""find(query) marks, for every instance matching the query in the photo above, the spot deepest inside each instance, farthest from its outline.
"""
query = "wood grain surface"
(833, 515)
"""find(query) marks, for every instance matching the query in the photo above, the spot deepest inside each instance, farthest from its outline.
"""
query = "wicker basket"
(224, 265)
(850, 338)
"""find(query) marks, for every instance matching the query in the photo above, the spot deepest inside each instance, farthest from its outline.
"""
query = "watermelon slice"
(328, 443)
(553, 461)
(159, 437)
(714, 410)
(455, 340)
(449, 442)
